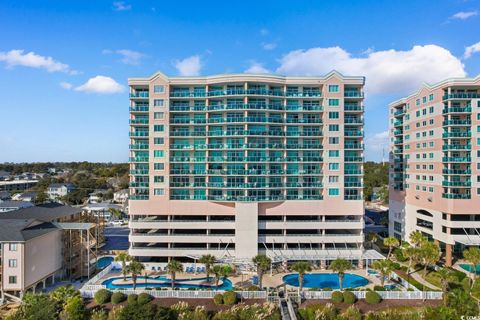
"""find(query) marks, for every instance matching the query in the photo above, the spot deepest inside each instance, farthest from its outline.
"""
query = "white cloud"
(269, 45)
(121, 6)
(256, 67)
(128, 56)
(464, 15)
(264, 31)
(387, 72)
(376, 146)
(66, 85)
(101, 84)
(470, 50)
(19, 58)
(190, 66)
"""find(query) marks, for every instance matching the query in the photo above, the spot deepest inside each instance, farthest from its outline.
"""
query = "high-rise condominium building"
(435, 164)
(241, 164)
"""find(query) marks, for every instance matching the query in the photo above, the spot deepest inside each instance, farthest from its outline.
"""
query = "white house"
(57, 190)
(120, 196)
(25, 196)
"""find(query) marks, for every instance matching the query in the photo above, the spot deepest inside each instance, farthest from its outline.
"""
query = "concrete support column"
(448, 255)
(360, 263)
(323, 264)
(44, 283)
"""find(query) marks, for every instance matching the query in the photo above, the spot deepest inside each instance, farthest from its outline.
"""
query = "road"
(116, 238)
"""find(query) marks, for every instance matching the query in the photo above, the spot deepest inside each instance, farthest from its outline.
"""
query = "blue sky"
(64, 64)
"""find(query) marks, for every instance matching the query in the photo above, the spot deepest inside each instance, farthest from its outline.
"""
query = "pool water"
(103, 262)
(326, 280)
(370, 271)
(470, 268)
(166, 283)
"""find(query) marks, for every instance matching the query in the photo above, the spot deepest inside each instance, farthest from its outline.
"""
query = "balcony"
(138, 159)
(398, 132)
(457, 171)
(352, 107)
(457, 110)
(139, 184)
(447, 147)
(353, 120)
(398, 123)
(398, 141)
(466, 134)
(138, 121)
(138, 146)
(138, 197)
(353, 184)
(352, 172)
(353, 133)
(139, 134)
(141, 94)
(467, 95)
(139, 108)
(399, 112)
(456, 183)
(354, 146)
(465, 122)
(352, 197)
(353, 159)
(456, 159)
(460, 196)
(235, 92)
(139, 172)
(353, 94)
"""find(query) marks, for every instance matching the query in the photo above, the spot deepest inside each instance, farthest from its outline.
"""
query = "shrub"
(229, 298)
(132, 298)
(337, 296)
(351, 313)
(379, 288)
(253, 288)
(327, 289)
(117, 297)
(398, 253)
(371, 297)
(396, 265)
(218, 299)
(144, 298)
(349, 297)
(102, 296)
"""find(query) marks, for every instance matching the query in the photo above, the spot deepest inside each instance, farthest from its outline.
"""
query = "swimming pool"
(469, 268)
(326, 280)
(370, 271)
(103, 262)
(164, 282)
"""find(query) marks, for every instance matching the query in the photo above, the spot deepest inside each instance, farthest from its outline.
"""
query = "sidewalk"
(427, 284)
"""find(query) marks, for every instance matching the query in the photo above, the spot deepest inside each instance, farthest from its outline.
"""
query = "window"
(159, 128)
(159, 88)
(158, 140)
(424, 100)
(12, 279)
(12, 263)
(333, 179)
(158, 153)
(430, 97)
(417, 102)
(333, 102)
(397, 226)
(333, 166)
(158, 166)
(333, 140)
(158, 179)
(333, 192)
(158, 192)
(158, 115)
(12, 247)
(333, 153)
(333, 127)
(333, 88)
(431, 109)
(333, 115)
(158, 102)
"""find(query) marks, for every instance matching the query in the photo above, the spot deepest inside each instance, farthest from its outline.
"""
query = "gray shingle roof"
(17, 230)
(15, 204)
(48, 212)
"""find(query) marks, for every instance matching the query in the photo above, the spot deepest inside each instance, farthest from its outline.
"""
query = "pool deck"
(274, 280)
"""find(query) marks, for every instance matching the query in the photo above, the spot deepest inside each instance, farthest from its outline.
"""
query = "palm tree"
(429, 253)
(123, 257)
(391, 243)
(263, 263)
(472, 255)
(445, 275)
(301, 267)
(135, 268)
(340, 266)
(384, 267)
(417, 238)
(173, 267)
(372, 237)
(208, 260)
(61, 294)
(411, 253)
(217, 271)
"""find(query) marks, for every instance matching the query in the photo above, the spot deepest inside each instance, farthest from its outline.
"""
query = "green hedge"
(117, 297)
(337, 296)
(102, 296)
(144, 298)
(349, 297)
(218, 299)
(132, 298)
(371, 297)
(229, 298)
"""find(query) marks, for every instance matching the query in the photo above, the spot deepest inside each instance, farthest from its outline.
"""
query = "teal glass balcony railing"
(352, 107)
(398, 132)
(457, 171)
(138, 197)
(355, 146)
(466, 134)
(139, 134)
(456, 196)
(138, 159)
(138, 146)
(399, 112)
(353, 94)
(141, 94)
(457, 147)
(139, 108)
(139, 184)
(353, 159)
(138, 121)
(353, 197)
(465, 122)
(467, 95)
(456, 183)
(353, 120)
(456, 159)
(353, 133)
(352, 172)
(398, 123)
(457, 110)
(234, 92)
(353, 184)
(140, 172)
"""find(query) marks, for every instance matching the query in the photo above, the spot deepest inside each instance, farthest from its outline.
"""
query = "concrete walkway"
(415, 275)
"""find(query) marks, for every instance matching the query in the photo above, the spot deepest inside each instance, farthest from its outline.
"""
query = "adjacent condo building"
(435, 164)
(241, 164)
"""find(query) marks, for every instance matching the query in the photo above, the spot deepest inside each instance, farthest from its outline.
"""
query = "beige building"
(435, 165)
(239, 164)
